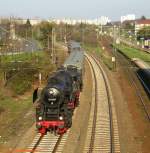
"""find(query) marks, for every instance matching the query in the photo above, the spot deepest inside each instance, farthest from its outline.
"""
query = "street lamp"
(97, 35)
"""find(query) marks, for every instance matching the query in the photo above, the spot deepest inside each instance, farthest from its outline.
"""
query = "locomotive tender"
(57, 101)
(73, 45)
(75, 62)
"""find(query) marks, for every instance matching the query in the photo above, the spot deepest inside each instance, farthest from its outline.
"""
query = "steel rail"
(95, 112)
(57, 144)
(109, 103)
(36, 144)
(95, 109)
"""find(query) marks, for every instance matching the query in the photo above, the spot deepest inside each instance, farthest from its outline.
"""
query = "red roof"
(146, 21)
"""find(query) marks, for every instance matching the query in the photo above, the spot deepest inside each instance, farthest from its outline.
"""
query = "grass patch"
(92, 48)
(12, 105)
(19, 76)
(97, 50)
(13, 115)
(19, 72)
(133, 53)
(107, 60)
(26, 56)
(22, 81)
(23, 72)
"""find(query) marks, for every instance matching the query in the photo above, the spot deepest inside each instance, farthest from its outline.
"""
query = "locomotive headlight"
(61, 118)
(40, 118)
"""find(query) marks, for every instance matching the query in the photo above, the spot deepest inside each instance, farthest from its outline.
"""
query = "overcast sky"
(86, 9)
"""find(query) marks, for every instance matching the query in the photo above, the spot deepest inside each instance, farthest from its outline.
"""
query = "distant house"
(32, 21)
(139, 24)
(116, 23)
(128, 22)
(128, 26)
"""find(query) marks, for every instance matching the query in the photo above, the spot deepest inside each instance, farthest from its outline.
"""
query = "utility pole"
(32, 37)
(65, 37)
(82, 36)
(53, 45)
(114, 48)
(0, 56)
(101, 29)
(97, 36)
(48, 45)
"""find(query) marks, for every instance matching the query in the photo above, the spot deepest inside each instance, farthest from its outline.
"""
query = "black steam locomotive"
(57, 101)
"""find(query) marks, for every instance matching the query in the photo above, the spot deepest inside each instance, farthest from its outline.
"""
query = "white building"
(19, 20)
(127, 17)
(12, 31)
(103, 20)
(32, 21)
(99, 21)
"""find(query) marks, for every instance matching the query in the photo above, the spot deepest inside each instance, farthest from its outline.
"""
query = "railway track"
(139, 91)
(48, 143)
(102, 133)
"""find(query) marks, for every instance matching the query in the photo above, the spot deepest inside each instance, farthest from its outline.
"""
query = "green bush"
(20, 81)
(19, 86)
(133, 53)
